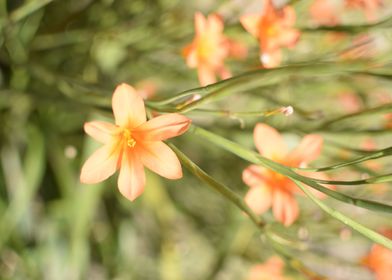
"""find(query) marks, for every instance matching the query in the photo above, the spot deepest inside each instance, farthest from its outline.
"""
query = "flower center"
(272, 31)
(128, 138)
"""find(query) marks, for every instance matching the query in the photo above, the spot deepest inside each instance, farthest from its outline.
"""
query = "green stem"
(387, 108)
(375, 155)
(219, 187)
(372, 180)
(372, 235)
(251, 80)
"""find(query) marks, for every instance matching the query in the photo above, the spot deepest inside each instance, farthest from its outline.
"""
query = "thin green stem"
(372, 180)
(372, 235)
(375, 155)
(217, 186)
(251, 80)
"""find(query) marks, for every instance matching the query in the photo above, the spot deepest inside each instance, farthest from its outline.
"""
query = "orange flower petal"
(191, 56)
(289, 17)
(128, 106)
(100, 165)
(200, 23)
(158, 157)
(132, 179)
(224, 73)
(206, 75)
(100, 131)
(289, 38)
(269, 142)
(285, 207)
(215, 23)
(251, 24)
(253, 176)
(259, 199)
(309, 149)
(271, 269)
(163, 127)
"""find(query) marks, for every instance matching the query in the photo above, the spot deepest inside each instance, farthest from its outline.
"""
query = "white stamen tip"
(287, 111)
(265, 58)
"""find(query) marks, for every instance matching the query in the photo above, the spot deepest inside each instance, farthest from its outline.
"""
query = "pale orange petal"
(289, 37)
(162, 127)
(132, 179)
(324, 13)
(101, 131)
(251, 23)
(259, 199)
(275, 264)
(307, 150)
(215, 23)
(272, 269)
(200, 23)
(224, 73)
(158, 157)
(128, 106)
(289, 17)
(269, 142)
(100, 165)
(206, 75)
(285, 207)
(190, 54)
(253, 176)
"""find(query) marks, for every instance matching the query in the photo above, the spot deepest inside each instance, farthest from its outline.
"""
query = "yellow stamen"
(272, 31)
(128, 138)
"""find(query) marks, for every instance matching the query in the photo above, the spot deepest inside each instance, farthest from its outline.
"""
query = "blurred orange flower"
(379, 260)
(132, 143)
(271, 269)
(274, 30)
(270, 189)
(324, 13)
(369, 7)
(210, 48)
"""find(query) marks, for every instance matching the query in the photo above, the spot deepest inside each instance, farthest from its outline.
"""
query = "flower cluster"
(210, 48)
(273, 29)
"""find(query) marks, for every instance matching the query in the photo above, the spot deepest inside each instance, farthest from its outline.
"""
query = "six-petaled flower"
(132, 143)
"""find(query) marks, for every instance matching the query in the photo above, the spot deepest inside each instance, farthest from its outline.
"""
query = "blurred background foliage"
(59, 63)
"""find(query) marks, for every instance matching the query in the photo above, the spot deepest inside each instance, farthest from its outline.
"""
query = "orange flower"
(132, 143)
(324, 13)
(210, 48)
(369, 7)
(271, 269)
(270, 189)
(274, 30)
(379, 260)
